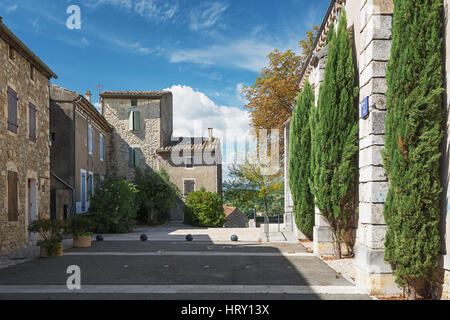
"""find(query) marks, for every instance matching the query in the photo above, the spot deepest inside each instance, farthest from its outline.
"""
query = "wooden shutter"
(189, 186)
(131, 157)
(137, 157)
(13, 201)
(137, 120)
(12, 110)
(32, 122)
(102, 148)
(93, 140)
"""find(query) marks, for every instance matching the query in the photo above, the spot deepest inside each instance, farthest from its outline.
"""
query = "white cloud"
(244, 54)
(12, 8)
(194, 112)
(239, 96)
(206, 15)
(156, 10)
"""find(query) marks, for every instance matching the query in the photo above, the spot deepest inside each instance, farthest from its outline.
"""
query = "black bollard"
(189, 238)
(234, 238)
(144, 237)
(99, 237)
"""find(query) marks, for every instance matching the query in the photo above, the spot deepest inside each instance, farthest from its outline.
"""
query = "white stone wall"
(374, 53)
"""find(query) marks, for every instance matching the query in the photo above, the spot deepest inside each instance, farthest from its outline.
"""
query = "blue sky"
(205, 51)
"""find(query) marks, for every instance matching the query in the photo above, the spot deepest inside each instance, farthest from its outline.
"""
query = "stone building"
(24, 141)
(370, 24)
(142, 137)
(79, 153)
(234, 218)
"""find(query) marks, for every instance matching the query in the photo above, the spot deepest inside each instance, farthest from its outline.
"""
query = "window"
(134, 120)
(189, 186)
(12, 110)
(32, 122)
(13, 201)
(134, 157)
(91, 136)
(134, 103)
(11, 52)
(31, 72)
(189, 162)
(102, 147)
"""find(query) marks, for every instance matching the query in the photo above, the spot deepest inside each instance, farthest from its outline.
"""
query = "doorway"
(32, 206)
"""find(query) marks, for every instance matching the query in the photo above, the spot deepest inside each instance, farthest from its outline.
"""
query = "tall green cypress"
(299, 162)
(414, 131)
(335, 137)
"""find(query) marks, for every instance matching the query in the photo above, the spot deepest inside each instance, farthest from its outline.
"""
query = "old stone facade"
(142, 137)
(370, 24)
(24, 141)
(79, 153)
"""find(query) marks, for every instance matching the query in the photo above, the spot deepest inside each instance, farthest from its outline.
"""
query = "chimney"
(88, 95)
(210, 134)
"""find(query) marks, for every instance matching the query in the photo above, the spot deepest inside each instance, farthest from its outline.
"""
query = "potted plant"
(80, 227)
(51, 234)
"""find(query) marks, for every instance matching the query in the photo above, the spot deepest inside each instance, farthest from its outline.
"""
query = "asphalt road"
(160, 270)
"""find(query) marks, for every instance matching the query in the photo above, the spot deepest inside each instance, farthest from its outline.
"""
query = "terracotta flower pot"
(82, 242)
(44, 252)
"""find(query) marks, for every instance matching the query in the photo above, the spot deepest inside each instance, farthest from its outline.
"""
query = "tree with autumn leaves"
(271, 99)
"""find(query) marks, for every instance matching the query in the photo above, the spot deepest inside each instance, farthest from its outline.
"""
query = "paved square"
(168, 267)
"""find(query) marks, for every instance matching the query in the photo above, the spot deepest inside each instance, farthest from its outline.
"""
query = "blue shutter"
(137, 158)
(137, 120)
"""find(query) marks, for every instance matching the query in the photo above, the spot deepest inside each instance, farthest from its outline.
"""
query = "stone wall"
(148, 138)
(31, 160)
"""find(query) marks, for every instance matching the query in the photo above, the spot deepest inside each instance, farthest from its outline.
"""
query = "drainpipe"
(71, 188)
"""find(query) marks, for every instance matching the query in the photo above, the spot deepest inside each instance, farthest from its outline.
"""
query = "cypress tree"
(299, 162)
(414, 131)
(330, 34)
(335, 137)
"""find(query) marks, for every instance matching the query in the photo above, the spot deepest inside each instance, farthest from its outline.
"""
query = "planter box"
(82, 242)
(44, 253)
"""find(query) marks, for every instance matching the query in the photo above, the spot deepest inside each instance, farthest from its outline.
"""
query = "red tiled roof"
(228, 210)
(134, 94)
(192, 143)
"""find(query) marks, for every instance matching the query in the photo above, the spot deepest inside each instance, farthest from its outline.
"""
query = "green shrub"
(156, 195)
(80, 225)
(113, 207)
(414, 129)
(51, 232)
(204, 209)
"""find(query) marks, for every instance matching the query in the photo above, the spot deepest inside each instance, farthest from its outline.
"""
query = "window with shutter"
(13, 201)
(134, 103)
(189, 186)
(32, 122)
(12, 110)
